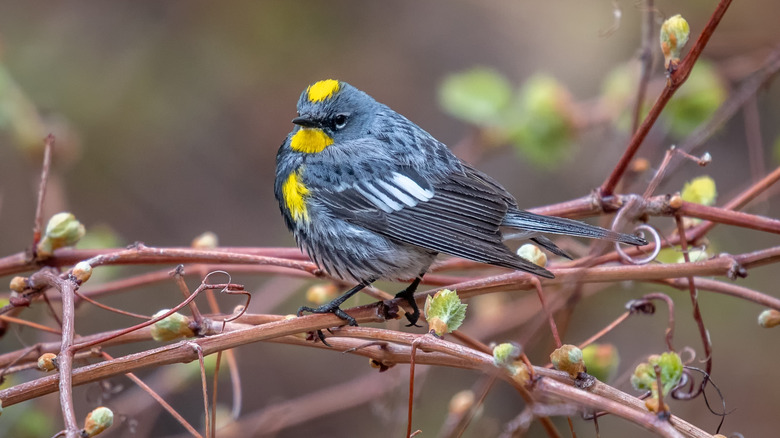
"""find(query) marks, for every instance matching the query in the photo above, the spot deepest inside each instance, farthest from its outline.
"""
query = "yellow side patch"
(294, 192)
(310, 141)
(322, 90)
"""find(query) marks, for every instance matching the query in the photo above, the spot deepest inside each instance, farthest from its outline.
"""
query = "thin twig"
(47, 278)
(158, 399)
(676, 79)
(645, 62)
(48, 145)
(705, 337)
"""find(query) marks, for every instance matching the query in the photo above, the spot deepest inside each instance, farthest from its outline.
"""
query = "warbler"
(368, 195)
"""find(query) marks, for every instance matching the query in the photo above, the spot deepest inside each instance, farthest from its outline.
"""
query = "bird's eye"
(340, 120)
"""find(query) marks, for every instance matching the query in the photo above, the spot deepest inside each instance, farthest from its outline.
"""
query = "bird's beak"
(306, 122)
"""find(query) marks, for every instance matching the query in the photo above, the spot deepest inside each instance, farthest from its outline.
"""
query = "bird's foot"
(331, 307)
(415, 315)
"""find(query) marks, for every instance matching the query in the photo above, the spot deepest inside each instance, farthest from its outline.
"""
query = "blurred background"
(168, 116)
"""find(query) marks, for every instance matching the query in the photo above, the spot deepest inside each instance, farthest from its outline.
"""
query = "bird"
(370, 195)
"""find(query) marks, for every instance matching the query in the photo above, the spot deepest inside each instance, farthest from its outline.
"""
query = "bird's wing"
(456, 215)
(532, 224)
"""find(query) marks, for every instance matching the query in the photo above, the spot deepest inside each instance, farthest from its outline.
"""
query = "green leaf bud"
(62, 230)
(97, 421)
(568, 358)
(444, 312)
(674, 35)
(172, 327)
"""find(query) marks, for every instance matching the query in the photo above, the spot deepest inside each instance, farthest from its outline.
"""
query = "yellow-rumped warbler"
(369, 194)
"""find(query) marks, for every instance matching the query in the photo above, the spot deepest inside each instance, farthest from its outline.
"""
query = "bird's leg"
(408, 295)
(333, 306)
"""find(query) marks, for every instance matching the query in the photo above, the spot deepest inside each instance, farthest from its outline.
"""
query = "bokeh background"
(168, 116)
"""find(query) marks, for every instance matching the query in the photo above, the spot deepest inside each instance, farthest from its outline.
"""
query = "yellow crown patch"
(322, 90)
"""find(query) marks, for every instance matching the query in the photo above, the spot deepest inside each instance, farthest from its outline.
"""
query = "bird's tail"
(532, 222)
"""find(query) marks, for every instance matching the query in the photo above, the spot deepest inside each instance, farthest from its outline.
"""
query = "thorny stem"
(676, 79)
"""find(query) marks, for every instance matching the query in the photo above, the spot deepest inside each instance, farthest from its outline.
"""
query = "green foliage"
(31, 423)
(644, 378)
(543, 132)
(700, 190)
(535, 120)
(601, 360)
(675, 255)
(696, 101)
(18, 115)
(479, 96)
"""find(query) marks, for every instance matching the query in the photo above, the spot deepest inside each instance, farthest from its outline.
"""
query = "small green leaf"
(700, 190)
(644, 378)
(444, 311)
(477, 96)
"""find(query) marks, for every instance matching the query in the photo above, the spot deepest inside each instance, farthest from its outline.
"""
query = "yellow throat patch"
(322, 90)
(294, 192)
(310, 140)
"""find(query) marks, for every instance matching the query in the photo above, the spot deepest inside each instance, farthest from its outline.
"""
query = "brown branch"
(440, 352)
(645, 62)
(733, 290)
(676, 79)
(703, 333)
(165, 405)
(729, 217)
(66, 287)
